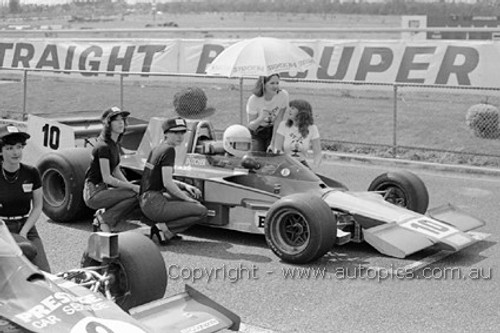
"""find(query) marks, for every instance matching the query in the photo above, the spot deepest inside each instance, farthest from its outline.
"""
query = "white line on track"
(245, 328)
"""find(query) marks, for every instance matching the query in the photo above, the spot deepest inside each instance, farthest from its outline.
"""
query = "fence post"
(242, 114)
(395, 121)
(25, 92)
(121, 92)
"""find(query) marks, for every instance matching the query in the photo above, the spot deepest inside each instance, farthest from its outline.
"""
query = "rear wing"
(49, 135)
(190, 311)
(91, 127)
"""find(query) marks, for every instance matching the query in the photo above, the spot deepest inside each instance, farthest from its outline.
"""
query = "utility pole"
(153, 9)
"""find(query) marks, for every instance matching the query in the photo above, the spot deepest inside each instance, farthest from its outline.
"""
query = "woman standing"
(298, 133)
(106, 188)
(171, 205)
(21, 194)
(265, 109)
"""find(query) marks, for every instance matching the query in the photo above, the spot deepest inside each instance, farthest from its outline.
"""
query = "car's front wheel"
(402, 188)
(300, 228)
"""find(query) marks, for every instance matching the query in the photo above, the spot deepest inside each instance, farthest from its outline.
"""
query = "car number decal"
(429, 227)
(259, 219)
(285, 172)
(97, 325)
(49, 134)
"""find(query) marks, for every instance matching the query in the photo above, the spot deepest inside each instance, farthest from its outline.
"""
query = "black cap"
(113, 112)
(10, 134)
(174, 125)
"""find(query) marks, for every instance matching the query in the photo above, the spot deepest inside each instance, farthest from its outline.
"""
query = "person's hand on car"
(193, 191)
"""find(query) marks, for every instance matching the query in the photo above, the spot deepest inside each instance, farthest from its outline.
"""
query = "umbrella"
(260, 56)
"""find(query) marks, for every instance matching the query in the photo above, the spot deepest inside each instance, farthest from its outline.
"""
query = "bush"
(483, 120)
(192, 103)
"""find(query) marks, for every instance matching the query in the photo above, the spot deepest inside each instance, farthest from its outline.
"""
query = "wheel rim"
(54, 188)
(120, 288)
(395, 195)
(291, 232)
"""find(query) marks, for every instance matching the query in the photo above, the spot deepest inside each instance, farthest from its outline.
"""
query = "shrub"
(483, 120)
(192, 103)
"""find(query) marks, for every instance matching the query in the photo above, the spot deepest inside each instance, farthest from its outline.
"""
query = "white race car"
(302, 214)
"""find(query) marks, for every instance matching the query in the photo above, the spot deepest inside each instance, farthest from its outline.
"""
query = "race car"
(119, 288)
(302, 214)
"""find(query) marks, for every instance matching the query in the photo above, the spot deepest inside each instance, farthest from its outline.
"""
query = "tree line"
(390, 7)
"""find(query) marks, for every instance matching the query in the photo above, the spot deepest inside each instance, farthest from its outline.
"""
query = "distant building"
(55, 2)
(37, 2)
(362, 1)
(133, 2)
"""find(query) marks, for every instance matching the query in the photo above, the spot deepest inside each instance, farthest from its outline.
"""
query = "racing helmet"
(237, 140)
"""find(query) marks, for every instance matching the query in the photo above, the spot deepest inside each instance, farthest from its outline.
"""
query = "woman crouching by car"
(21, 194)
(106, 189)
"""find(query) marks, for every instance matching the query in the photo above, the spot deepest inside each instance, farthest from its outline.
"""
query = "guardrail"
(292, 32)
(351, 30)
(392, 120)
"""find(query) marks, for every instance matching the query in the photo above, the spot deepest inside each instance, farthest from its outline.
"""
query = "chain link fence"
(432, 123)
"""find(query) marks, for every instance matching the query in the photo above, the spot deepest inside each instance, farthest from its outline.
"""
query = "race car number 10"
(51, 136)
(429, 227)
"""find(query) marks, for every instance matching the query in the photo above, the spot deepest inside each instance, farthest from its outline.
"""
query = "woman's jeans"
(40, 259)
(117, 202)
(177, 215)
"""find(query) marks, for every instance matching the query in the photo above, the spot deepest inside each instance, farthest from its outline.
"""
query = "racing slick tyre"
(300, 228)
(138, 275)
(404, 189)
(63, 176)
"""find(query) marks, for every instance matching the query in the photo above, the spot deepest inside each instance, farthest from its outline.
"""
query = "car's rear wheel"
(402, 188)
(138, 275)
(63, 176)
(300, 228)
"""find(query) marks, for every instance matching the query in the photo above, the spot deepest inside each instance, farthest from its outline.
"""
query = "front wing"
(445, 226)
(399, 232)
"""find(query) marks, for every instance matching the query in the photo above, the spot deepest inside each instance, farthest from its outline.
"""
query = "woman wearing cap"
(171, 205)
(265, 110)
(106, 188)
(21, 194)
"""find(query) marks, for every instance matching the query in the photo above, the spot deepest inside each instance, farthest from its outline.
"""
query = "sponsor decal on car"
(260, 218)
(201, 326)
(196, 161)
(49, 310)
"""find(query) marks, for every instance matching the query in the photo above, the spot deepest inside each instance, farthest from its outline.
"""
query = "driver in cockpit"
(237, 140)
